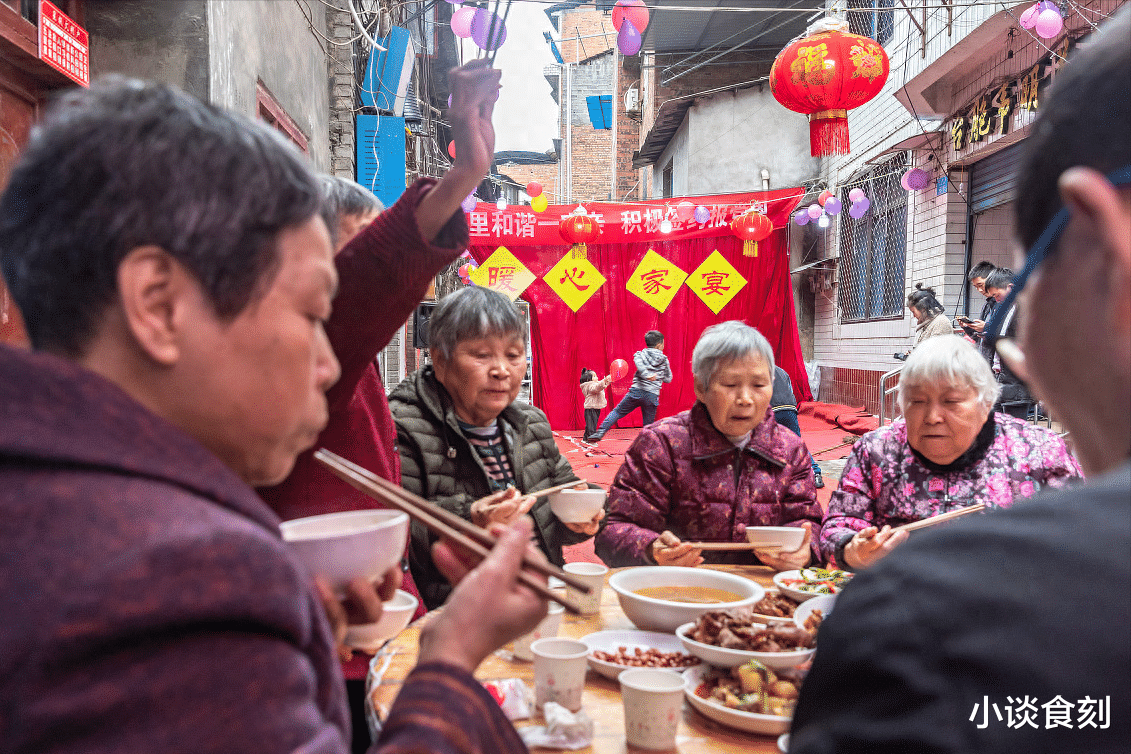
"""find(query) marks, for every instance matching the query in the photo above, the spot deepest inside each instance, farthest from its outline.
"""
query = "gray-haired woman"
(466, 443)
(949, 450)
(706, 474)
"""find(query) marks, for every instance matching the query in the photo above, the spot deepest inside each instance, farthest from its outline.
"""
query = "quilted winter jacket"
(439, 464)
(684, 475)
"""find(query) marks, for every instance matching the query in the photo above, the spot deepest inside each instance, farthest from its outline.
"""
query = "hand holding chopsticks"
(443, 522)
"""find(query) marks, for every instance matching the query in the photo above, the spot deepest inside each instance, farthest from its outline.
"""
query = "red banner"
(626, 223)
(63, 44)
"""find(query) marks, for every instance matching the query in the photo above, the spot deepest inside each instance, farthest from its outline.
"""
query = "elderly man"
(1009, 632)
(181, 358)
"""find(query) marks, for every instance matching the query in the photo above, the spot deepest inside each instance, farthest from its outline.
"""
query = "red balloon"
(618, 369)
(533, 189)
(452, 150)
(633, 10)
(824, 197)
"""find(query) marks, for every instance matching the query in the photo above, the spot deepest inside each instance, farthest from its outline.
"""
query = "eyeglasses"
(1037, 254)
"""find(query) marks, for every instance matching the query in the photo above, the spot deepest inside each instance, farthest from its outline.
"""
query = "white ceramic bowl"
(611, 641)
(652, 614)
(751, 722)
(576, 506)
(783, 743)
(395, 615)
(781, 579)
(345, 546)
(788, 538)
(731, 658)
(823, 602)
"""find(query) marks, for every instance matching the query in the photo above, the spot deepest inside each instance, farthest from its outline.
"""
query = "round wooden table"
(601, 699)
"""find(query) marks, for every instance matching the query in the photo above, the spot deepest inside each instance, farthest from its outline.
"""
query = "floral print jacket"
(884, 483)
(684, 475)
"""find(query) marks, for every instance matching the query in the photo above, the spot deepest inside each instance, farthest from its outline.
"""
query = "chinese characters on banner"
(716, 281)
(503, 272)
(63, 44)
(656, 281)
(574, 280)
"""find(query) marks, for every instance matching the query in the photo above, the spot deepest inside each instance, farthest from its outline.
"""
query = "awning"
(804, 267)
(668, 120)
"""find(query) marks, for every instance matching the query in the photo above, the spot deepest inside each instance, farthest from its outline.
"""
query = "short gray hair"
(342, 197)
(726, 342)
(473, 312)
(949, 360)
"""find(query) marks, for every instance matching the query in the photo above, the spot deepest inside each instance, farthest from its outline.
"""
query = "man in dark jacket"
(150, 604)
(652, 371)
(784, 405)
(1011, 632)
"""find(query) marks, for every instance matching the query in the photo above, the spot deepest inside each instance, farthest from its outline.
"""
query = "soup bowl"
(666, 602)
(348, 545)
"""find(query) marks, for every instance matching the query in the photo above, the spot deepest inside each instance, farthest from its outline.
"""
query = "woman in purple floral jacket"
(948, 451)
(706, 474)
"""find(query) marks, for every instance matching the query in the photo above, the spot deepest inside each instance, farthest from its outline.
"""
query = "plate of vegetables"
(809, 582)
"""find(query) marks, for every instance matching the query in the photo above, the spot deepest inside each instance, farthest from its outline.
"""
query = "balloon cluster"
(538, 201)
(630, 18)
(915, 179)
(1044, 18)
(467, 268)
(826, 206)
(478, 24)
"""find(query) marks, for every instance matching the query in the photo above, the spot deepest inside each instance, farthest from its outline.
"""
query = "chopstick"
(942, 517)
(445, 523)
(555, 488)
(722, 546)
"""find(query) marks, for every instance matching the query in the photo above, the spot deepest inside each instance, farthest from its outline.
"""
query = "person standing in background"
(594, 391)
(652, 370)
(784, 405)
(977, 277)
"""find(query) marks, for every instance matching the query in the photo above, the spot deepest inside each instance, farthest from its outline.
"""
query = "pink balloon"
(685, 210)
(629, 39)
(481, 27)
(618, 369)
(1029, 18)
(856, 194)
(801, 217)
(461, 23)
(1049, 23)
(630, 10)
(903, 181)
(815, 211)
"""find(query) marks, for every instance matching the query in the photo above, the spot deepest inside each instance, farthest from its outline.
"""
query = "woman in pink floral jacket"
(948, 451)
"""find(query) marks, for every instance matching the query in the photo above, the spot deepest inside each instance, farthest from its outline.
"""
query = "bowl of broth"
(662, 598)
(347, 545)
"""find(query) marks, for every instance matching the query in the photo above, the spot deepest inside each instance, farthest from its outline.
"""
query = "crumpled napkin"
(563, 729)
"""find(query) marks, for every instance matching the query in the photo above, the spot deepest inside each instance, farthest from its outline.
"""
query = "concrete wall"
(727, 139)
(165, 41)
(272, 42)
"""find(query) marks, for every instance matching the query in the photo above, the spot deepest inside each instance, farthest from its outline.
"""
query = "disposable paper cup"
(559, 671)
(653, 699)
(547, 629)
(593, 574)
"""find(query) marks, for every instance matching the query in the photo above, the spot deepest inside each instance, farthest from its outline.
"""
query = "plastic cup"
(593, 574)
(653, 700)
(548, 628)
(559, 671)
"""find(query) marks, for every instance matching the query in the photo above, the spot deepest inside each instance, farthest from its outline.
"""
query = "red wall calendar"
(63, 44)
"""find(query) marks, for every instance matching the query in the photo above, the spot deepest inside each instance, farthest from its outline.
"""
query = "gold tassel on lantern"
(749, 248)
(578, 251)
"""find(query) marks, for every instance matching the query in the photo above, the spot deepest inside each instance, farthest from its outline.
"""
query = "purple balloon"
(801, 217)
(833, 206)
(856, 194)
(449, 100)
(917, 179)
(857, 210)
(702, 214)
(864, 202)
(481, 27)
(814, 211)
(628, 39)
(461, 22)
(468, 204)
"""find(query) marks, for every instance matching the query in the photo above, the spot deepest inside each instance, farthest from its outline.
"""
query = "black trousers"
(592, 415)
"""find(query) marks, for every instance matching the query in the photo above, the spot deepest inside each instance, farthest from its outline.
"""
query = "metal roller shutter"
(994, 179)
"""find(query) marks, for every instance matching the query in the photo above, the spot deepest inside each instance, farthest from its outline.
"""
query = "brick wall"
(339, 27)
(545, 174)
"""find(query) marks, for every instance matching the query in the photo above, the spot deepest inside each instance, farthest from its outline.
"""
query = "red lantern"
(824, 76)
(579, 229)
(751, 227)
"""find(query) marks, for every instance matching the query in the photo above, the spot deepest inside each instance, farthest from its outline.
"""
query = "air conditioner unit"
(632, 100)
(388, 72)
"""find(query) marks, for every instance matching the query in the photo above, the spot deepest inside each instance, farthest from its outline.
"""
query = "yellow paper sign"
(575, 280)
(716, 282)
(503, 272)
(656, 280)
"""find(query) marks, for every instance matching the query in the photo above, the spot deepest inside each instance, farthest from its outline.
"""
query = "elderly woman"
(706, 474)
(948, 451)
(466, 444)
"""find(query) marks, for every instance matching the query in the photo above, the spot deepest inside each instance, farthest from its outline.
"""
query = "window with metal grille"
(872, 18)
(873, 249)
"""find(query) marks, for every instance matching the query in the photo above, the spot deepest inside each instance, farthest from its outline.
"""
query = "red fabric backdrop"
(611, 324)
